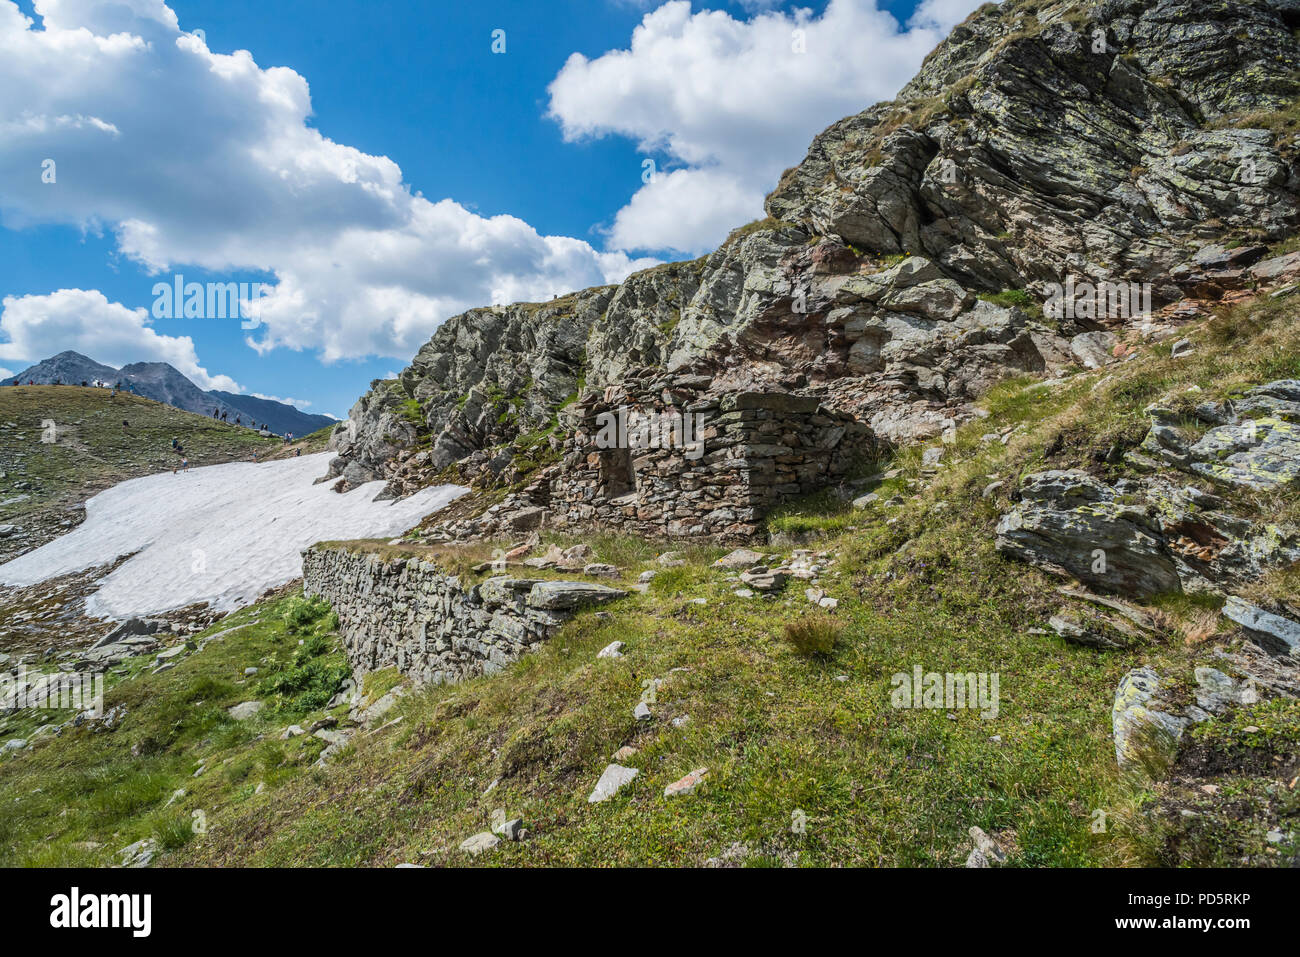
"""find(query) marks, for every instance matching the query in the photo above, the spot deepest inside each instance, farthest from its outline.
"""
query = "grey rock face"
(1255, 441)
(1281, 634)
(986, 140)
(1260, 453)
(484, 377)
(1069, 521)
(1093, 349)
(1146, 736)
(1030, 147)
(1138, 539)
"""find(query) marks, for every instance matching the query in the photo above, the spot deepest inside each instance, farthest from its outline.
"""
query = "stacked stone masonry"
(748, 452)
(409, 614)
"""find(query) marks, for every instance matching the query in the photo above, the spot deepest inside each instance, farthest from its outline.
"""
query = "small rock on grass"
(687, 785)
(740, 558)
(478, 843)
(139, 854)
(987, 847)
(510, 829)
(245, 710)
(612, 650)
(611, 780)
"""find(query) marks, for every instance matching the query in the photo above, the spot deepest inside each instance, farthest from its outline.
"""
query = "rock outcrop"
(1040, 142)
(1139, 538)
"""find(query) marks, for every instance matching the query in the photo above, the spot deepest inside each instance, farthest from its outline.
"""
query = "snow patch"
(223, 534)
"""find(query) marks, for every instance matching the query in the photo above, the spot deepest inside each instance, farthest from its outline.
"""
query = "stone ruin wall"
(407, 613)
(755, 451)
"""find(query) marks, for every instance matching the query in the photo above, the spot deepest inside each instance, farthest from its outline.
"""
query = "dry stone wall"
(662, 456)
(408, 613)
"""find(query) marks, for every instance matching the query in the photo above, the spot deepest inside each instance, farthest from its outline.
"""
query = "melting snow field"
(223, 534)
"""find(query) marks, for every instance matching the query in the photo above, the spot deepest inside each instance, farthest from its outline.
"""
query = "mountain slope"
(61, 444)
(67, 368)
(905, 262)
(279, 417)
(164, 383)
(809, 764)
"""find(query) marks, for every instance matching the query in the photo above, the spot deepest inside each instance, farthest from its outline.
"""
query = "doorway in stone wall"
(616, 474)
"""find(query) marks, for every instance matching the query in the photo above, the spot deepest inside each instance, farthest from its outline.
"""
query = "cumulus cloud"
(85, 321)
(299, 403)
(193, 158)
(942, 15)
(684, 202)
(732, 102)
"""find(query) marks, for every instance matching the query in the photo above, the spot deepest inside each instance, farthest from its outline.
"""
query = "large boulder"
(1139, 538)
(1146, 734)
(1071, 523)
(565, 596)
(1260, 453)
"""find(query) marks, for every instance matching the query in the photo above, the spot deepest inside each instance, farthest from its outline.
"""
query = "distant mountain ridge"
(164, 383)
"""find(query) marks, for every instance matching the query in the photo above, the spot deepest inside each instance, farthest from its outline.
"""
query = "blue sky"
(424, 175)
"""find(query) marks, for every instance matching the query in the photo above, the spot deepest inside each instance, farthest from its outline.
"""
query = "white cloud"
(195, 158)
(734, 102)
(942, 15)
(299, 403)
(684, 202)
(84, 321)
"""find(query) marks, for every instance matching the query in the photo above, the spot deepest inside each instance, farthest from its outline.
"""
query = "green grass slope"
(809, 764)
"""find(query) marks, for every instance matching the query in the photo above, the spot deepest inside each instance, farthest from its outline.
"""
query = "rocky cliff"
(903, 264)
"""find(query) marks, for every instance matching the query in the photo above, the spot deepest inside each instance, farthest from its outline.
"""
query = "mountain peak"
(163, 382)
